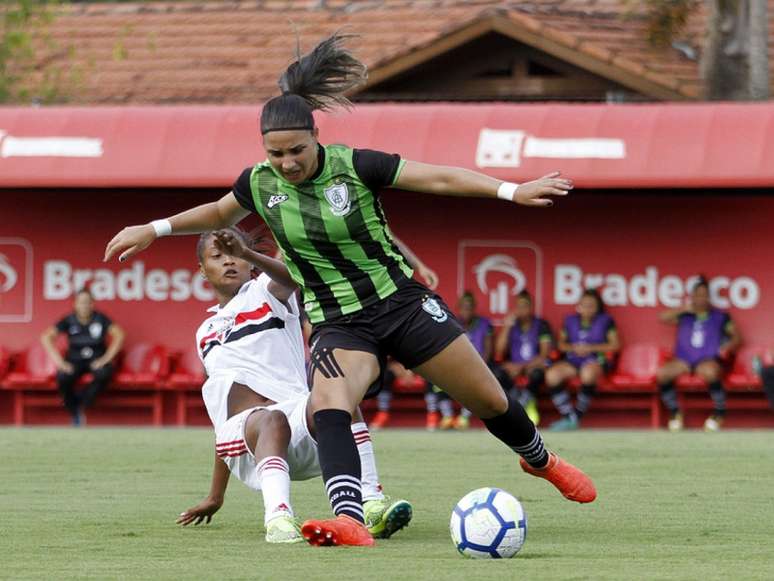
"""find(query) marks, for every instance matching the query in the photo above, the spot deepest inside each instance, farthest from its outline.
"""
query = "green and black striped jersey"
(332, 232)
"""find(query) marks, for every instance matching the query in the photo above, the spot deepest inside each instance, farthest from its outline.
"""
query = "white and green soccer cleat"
(283, 529)
(384, 517)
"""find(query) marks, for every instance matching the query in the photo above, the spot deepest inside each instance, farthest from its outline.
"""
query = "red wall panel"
(643, 247)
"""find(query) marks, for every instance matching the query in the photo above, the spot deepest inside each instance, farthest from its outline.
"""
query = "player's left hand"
(98, 363)
(227, 243)
(531, 193)
(428, 276)
(201, 512)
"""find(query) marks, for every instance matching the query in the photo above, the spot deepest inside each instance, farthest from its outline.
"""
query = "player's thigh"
(267, 433)
(560, 372)
(591, 372)
(342, 380)
(671, 370)
(709, 370)
(459, 370)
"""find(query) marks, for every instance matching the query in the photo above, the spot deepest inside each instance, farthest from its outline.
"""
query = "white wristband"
(162, 228)
(507, 191)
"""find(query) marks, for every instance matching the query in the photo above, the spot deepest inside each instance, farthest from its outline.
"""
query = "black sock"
(669, 397)
(767, 376)
(563, 402)
(536, 379)
(585, 395)
(518, 432)
(339, 462)
(718, 395)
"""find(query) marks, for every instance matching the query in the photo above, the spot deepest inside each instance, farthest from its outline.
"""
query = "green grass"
(101, 504)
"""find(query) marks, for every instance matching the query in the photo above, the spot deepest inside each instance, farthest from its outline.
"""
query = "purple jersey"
(477, 330)
(597, 332)
(700, 338)
(525, 344)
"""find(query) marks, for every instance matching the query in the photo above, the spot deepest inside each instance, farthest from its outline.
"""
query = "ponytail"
(315, 81)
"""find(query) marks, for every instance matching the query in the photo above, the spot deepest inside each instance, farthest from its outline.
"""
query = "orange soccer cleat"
(342, 530)
(571, 481)
(380, 420)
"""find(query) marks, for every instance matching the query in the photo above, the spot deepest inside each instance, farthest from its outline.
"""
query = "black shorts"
(412, 325)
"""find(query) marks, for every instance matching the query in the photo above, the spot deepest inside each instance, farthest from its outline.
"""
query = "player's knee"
(495, 404)
(709, 372)
(275, 422)
(664, 375)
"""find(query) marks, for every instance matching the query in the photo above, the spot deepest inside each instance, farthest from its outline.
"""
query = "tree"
(21, 33)
(734, 57)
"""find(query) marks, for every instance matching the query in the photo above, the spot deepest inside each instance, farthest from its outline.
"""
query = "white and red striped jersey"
(254, 340)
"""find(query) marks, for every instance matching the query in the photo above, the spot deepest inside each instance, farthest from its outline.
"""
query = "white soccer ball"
(488, 523)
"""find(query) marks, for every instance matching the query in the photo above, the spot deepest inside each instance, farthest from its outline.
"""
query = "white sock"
(369, 477)
(447, 408)
(274, 475)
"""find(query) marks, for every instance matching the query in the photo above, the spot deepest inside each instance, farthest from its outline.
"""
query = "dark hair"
(241, 234)
(525, 296)
(594, 294)
(468, 296)
(85, 290)
(701, 281)
(315, 81)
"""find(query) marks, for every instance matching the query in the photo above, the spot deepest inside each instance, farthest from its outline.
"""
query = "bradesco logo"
(651, 288)
(496, 271)
(61, 280)
(15, 280)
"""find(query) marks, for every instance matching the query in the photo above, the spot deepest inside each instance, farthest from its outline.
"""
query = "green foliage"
(665, 18)
(22, 34)
(101, 503)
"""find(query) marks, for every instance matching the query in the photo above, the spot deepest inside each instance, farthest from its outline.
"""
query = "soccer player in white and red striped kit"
(256, 392)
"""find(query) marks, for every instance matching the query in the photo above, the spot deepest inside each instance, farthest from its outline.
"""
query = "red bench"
(136, 385)
(185, 383)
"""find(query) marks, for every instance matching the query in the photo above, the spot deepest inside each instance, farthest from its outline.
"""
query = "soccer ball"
(488, 523)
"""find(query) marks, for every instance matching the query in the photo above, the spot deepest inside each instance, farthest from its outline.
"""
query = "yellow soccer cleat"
(384, 518)
(283, 529)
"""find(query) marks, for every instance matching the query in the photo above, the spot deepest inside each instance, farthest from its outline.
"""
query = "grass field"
(101, 504)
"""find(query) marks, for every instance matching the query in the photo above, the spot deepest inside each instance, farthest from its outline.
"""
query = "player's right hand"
(227, 243)
(65, 367)
(130, 241)
(201, 512)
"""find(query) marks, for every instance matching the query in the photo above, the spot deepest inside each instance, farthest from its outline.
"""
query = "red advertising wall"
(640, 247)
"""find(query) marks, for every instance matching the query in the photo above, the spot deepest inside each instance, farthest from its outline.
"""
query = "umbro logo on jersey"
(276, 199)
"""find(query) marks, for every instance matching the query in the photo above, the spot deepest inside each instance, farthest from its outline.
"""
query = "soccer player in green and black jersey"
(322, 206)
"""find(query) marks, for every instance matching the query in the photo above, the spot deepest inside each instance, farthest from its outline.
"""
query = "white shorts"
(302, 451)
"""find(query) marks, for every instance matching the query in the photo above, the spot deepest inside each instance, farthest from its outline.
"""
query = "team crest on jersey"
(95, 330)
(276, 200)
(338, 197)
(435, 310)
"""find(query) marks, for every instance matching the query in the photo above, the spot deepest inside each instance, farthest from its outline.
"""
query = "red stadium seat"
(143, 366)
(32, 369)
(742, 375)
(188, 371)
(637, 367)
(5, 361)
(186, 382)
(409, 384)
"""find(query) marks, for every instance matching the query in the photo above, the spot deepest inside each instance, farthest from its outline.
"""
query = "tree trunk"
(759, 50)
(734, 62)
(724, 66)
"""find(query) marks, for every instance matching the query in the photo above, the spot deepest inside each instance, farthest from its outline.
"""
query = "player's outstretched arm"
(133, 239)
(281, 285)
(210, 505)
(428, 275)
(455, 181)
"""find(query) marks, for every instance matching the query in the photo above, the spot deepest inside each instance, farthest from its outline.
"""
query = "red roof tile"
(233, 51)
